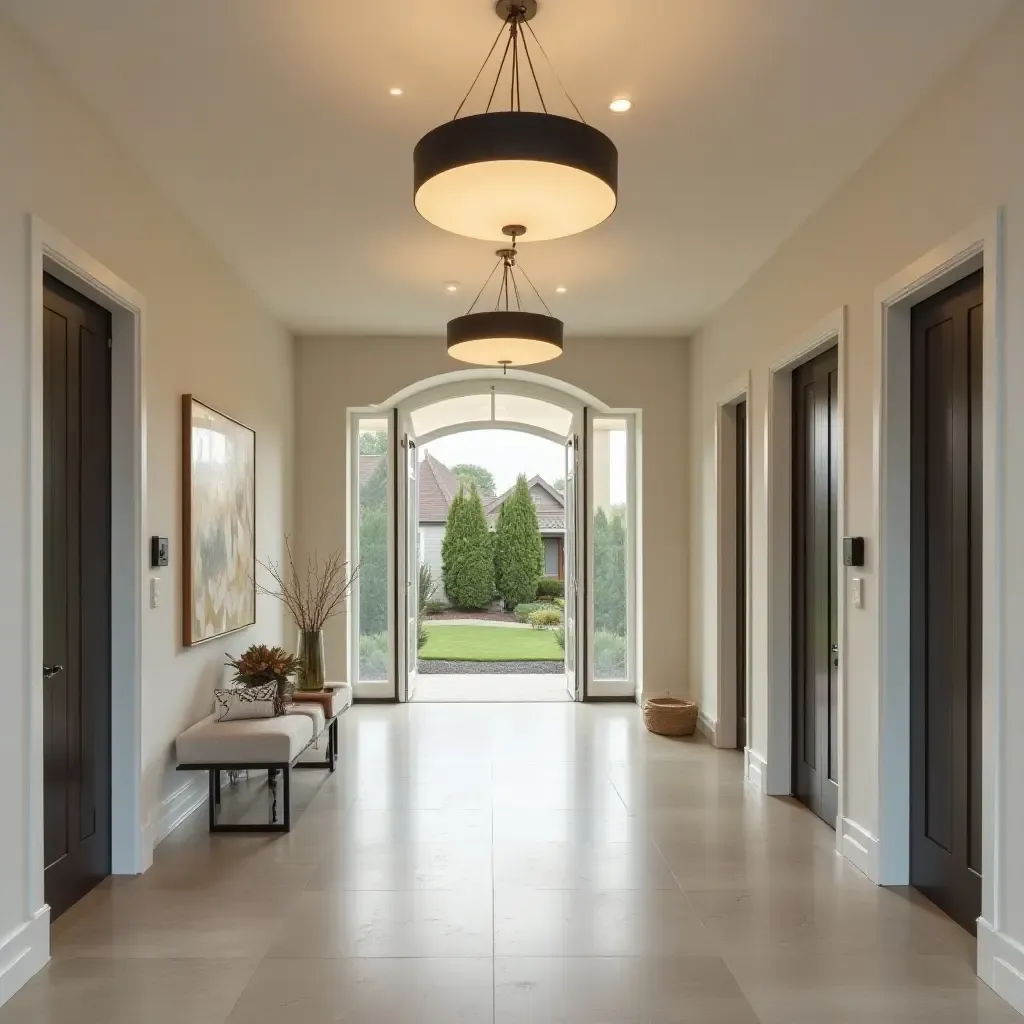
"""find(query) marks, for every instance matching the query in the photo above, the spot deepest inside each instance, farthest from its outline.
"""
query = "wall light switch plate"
(858, 592)
(154, 592)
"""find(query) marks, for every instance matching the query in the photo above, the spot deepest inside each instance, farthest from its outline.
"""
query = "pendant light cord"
(483, 286)
(490, 53)
(517, 26)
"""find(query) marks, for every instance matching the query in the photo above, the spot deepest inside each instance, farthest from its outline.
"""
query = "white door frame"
(723, 729)
(777, 775)
(50, 252)
(980, 246)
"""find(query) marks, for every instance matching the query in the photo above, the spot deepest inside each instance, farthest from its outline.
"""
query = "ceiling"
(270, 124)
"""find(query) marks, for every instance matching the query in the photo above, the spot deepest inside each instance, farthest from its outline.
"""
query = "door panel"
(815, 599)
(945, 626)
(741, 575)
(76, 600)
(410, 604)
(572, 602)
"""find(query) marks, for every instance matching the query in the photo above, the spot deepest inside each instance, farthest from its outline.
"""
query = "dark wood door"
(815, 619)
(741, 575)
(76, 568)
(945, 603)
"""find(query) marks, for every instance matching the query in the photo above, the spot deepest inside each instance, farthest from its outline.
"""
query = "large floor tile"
(584, 865)
(411, 865)
(617, 990)
(120, 991)
(377, 991)
(591, 922)
(425, 923)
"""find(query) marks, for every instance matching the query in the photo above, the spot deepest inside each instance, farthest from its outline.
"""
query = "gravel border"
(490, 668)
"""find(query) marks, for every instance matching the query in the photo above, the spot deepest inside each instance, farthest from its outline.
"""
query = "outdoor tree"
(609, 573)
(373, 442)
(470, 473)
(518, 548)
(373, 552)
(467, 565)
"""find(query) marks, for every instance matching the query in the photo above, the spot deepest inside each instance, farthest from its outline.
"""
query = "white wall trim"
(978, 246)
(50, 252)
(175, 808)
(756, 769)
(24, 952)
(726, 502)
(1001, 964)
(859, 847)
(831, 330)
(707, 727)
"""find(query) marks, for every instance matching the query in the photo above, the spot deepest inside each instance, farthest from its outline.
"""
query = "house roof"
(550, 506)
(438, 486)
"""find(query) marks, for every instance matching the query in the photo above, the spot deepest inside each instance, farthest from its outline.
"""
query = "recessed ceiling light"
(451, 286)
(620, 105)
(395, 91)
(561, 289)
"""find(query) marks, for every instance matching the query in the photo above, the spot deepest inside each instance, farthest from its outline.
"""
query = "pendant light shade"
(477, 173)
(505, 336)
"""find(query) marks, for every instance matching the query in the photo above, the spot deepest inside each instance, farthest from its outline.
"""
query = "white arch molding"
(583, 408)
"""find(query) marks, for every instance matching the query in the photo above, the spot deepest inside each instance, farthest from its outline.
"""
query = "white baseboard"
(706, 727)
(756, 769)
(175, 808)
(24, 952)
(1001, 964)
(860, 848)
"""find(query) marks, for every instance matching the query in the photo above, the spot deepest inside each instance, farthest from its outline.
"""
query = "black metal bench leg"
(213, 800)
(332, 744)
(217, 776)
(287, 772)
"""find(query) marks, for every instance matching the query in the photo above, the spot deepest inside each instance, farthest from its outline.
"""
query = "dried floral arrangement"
(312, 595)
(261, 664)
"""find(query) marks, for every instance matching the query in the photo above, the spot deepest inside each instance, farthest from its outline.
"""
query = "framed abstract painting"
(218, 523)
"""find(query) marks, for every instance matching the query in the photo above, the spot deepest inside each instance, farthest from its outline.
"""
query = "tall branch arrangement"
(312, 595)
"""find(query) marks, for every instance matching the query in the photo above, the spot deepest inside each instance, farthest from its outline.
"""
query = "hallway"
(510, 863)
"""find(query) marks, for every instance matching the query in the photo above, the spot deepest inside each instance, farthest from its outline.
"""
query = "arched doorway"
(592, 548)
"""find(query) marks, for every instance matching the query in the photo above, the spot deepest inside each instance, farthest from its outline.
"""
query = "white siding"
(432, 534)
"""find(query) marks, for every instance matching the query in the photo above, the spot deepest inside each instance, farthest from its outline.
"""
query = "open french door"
(575, 612)
(408, 604)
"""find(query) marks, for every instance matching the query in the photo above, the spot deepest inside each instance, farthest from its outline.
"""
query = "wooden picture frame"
(218, 517)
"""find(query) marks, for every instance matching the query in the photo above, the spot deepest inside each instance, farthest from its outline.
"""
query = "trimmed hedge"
(548, 586)
(544, 617)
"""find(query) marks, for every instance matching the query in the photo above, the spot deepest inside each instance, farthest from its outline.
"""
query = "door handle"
(49, 671)
(835, 652)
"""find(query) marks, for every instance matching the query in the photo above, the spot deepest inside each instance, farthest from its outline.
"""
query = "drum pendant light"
(505, 336)
(477, 173)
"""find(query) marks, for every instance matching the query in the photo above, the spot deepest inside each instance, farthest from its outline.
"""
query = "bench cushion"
(313, 712)
(254, 741)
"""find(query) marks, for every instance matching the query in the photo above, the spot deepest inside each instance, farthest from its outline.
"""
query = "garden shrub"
(549, 587)
(523, 610)
(435, 607)
(467, 562)
(518, 548)
(560, 636)
(544, 617)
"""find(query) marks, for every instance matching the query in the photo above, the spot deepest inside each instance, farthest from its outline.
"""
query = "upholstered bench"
(275, 744)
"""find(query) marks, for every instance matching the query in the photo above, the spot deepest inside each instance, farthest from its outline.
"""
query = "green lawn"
(489, 643)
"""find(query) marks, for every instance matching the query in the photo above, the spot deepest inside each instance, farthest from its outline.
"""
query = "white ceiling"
(270, 124)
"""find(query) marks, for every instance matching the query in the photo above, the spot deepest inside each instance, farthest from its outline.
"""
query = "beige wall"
(955, 160)
(336, 374)
(206, 334)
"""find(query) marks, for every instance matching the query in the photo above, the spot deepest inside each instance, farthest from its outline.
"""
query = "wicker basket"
(667, 716)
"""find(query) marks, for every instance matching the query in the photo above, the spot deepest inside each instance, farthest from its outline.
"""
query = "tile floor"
(475, 688)
(510, 864)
